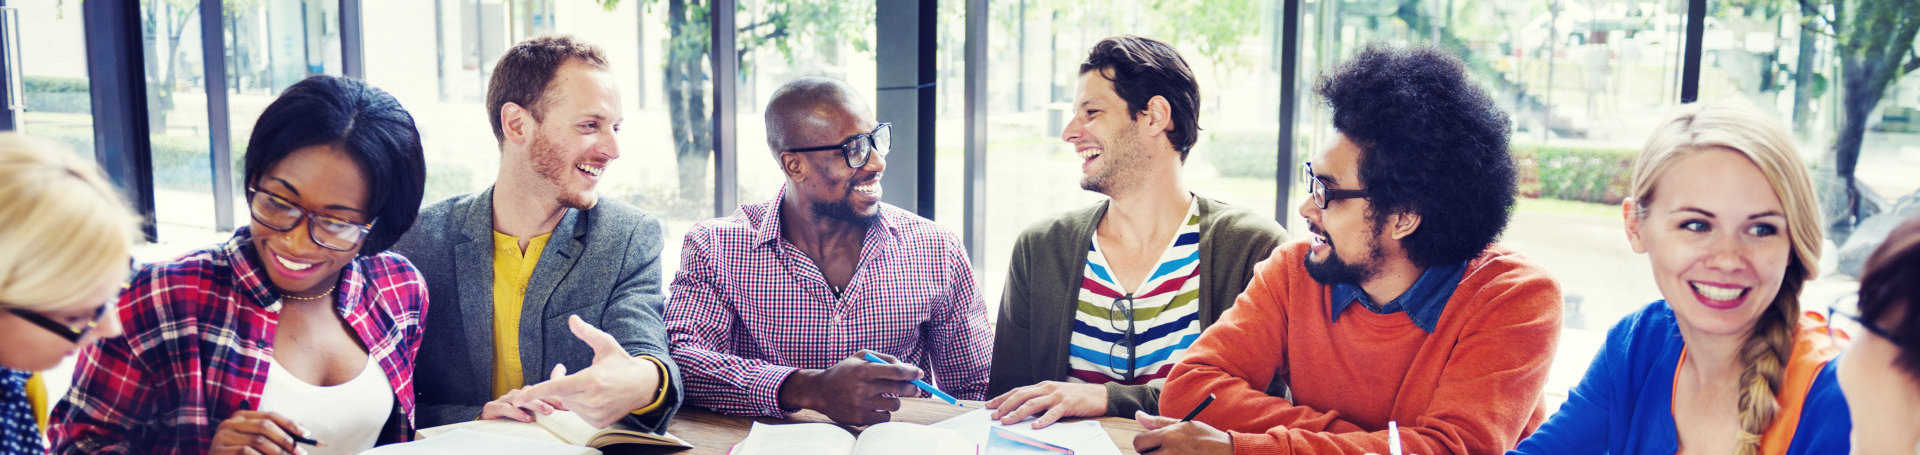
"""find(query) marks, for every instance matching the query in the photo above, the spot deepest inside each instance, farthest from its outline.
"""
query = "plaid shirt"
(748, 308)
(199, 333)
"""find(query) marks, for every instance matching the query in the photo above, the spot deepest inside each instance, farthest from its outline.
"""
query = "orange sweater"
(1471, 386)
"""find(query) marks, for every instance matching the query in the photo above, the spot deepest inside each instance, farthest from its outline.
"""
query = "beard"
(551, 164)
(1122, 159)
(842, 209)
(1334, 270)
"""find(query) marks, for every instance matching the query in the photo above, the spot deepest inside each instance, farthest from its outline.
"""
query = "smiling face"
(1717, 237)
(33, 348)
(573, 142)
(320, 178)
(1104, 135)
(830, 188)
(1346, 245)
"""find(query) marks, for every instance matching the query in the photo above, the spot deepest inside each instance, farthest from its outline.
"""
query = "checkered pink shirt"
(748, 309)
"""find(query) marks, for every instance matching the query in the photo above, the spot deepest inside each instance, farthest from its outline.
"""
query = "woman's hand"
(255, 432)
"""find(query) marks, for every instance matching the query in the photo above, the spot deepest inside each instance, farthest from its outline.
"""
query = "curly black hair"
(1432, 143)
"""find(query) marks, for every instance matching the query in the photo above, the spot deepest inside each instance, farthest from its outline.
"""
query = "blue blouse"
(19, 433)
(1624, 404)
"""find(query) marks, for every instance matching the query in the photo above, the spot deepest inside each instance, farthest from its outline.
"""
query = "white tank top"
(346, 417)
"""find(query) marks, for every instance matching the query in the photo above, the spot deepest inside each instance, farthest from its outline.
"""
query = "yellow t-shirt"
(37, 398)
(511, 271)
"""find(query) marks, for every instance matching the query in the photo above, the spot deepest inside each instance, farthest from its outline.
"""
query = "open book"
(828, 439)
(564, 426)
(885, 439)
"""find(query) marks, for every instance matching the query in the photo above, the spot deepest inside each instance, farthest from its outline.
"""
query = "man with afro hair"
(1399, 308)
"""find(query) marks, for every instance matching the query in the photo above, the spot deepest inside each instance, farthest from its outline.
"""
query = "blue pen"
(918, 383)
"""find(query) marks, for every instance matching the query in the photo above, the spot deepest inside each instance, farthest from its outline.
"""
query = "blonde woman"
(1727, 363)
(64, 241)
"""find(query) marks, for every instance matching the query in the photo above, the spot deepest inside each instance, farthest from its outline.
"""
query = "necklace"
(308, 299)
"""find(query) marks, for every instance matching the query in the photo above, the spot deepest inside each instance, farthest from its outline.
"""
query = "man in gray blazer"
(538, 274)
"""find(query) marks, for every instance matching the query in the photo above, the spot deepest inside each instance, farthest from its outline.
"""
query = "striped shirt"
(749, 308)
(1159, 323)
(198, 335)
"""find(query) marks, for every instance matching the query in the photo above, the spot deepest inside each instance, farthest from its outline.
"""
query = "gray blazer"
(602, 264)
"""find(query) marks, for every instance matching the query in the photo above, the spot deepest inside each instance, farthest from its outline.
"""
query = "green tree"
(1874, 42)
(685, 75)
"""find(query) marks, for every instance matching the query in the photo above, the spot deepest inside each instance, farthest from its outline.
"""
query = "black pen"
(1196, 409)
(305, 440)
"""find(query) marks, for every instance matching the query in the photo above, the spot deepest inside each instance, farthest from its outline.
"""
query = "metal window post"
(974, 235)
(725, 56)
(906, 98)
(213, 48)
(118, 84)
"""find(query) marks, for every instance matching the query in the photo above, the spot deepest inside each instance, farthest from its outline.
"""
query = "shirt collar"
(1423, 302)
(252, 279)
(767, 227)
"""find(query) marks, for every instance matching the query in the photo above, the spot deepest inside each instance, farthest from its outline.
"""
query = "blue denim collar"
(1423, 302)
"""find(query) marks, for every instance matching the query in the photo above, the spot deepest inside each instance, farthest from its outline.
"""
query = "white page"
(463, 441)
(892, 438)
(797, 438)
(1084, 437)
(502, 427)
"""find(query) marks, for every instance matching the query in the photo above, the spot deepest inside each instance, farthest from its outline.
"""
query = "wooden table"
(714, 434)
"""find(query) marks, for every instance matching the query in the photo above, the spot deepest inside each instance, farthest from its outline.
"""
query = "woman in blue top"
(1726, 363)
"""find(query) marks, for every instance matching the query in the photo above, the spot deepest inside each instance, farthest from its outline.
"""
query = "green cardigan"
(1043, 289)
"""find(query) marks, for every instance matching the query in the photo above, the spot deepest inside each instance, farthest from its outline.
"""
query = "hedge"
(1587, 174)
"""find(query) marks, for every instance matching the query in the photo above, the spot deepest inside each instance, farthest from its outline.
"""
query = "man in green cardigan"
(1102, 301)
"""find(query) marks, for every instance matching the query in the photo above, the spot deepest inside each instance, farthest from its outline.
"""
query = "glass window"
(177, 120)
(783, 40)
(59, 104)
(1035, 49)
(271, 45)
(1786, 60)
(657, 53)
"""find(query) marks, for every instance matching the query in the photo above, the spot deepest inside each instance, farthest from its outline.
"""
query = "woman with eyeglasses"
(1726, 363)
(298, 334)
(65, 239)
(1881, 370)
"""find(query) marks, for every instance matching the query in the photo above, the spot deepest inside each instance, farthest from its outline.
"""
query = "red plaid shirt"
(748, 309)
(199, 333)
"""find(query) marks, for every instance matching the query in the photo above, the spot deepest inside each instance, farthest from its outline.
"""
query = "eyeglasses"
(861, 147)
(1852, 299)
(1321, 194)
(72, 333)
(1117, 312)
(328, 231)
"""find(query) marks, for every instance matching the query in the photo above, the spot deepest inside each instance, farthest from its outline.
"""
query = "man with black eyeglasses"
(777, 306)
(1399, 321)
(1101, 301)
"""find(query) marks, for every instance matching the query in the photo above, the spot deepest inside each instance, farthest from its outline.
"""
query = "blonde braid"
(1765, 354)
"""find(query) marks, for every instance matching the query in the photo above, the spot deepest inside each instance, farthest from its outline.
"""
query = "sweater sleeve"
(1238, 358)
(1012, 345)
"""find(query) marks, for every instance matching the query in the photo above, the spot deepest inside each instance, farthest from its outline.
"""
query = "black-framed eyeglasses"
(861, 147)
(1121, 309)
(72, 333)
(1834, 312)
(330, 232)
(1319, 191)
